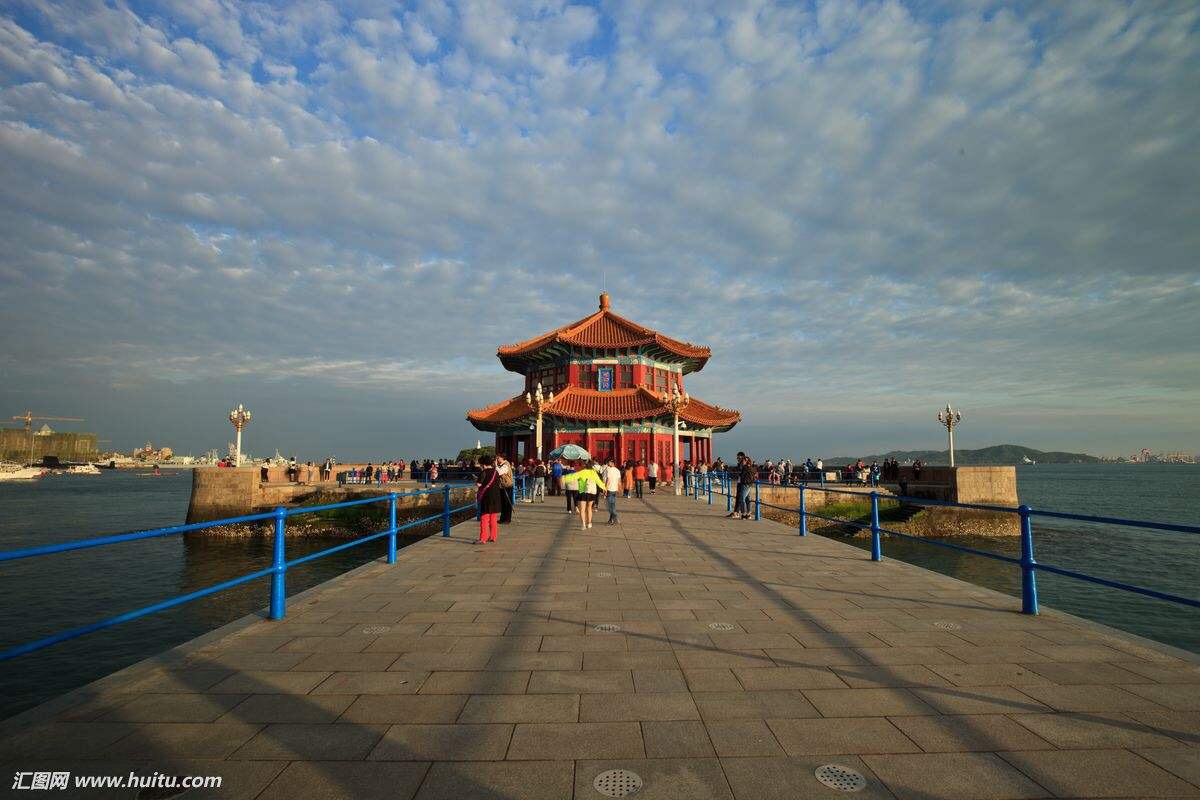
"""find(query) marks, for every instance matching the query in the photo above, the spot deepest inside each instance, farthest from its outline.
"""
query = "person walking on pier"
(571, 490)
(639, 479)
(652, 474)
(588, 485)
(612, 485)
(556, 473)
(490, 497)
(505, 471)
(539, 482)
(627, 478)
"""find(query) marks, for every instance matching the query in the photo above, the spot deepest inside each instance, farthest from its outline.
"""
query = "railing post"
(279, 567)
(757, 503)
(1029, 598)
(876, 548)
(710, 483)
(728, 495)
(803, 513)
(514, 492)
(445, 511)
(391, 551)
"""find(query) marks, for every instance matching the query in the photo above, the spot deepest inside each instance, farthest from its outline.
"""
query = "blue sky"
(334, 212)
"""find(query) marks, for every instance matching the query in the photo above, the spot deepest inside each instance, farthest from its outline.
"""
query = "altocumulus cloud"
(865, 208)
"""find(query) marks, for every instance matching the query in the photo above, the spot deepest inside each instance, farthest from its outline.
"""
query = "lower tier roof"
(590, 405)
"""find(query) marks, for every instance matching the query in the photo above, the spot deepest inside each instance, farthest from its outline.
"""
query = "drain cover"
(721, 626)
(372, 629)
(948, 626)
(607, 627)
(844, 779)
(618, 783)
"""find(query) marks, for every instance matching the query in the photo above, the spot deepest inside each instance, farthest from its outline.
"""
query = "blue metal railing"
(279, 563)
(1027, 562)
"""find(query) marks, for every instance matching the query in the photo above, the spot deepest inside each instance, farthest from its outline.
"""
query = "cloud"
(871, 205)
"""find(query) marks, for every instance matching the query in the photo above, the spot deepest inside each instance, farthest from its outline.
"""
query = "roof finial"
(604, 301)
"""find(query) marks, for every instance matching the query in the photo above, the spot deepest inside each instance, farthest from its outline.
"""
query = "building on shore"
(607, 383)
(22, 446)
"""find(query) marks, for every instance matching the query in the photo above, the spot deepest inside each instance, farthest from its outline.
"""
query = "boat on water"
(84, 469)
(1027, 460)
(16, 472)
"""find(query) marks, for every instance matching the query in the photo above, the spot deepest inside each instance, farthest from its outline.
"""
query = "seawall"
(220, 493)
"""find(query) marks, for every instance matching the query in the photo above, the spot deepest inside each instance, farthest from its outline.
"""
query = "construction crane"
(28, 417)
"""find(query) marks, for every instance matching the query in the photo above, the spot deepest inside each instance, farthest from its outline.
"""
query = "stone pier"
(714, 658)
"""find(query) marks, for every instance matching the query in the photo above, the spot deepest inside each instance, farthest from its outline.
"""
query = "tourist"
(652, 474)
(588, 485)
(639, 479)
(612, 485)
(747, 475)
(539, 482)
(917, 467)
(505, 471)
(556, 473)
(571, 490)
(490, 498)
(628, 478)
(433, 473)
(667, 474)
(264, 472)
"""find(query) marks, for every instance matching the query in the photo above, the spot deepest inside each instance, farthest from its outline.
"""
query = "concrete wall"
(985, 485)
(219, 493)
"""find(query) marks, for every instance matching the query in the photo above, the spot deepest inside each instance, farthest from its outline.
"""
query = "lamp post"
(538, 403)
(239, 417)
(676, 401)
(950, 418)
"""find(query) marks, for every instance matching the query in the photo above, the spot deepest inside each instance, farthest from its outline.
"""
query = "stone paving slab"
(732, 659)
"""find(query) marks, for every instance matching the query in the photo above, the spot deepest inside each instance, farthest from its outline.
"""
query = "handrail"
(277, 570)
(1028, 564)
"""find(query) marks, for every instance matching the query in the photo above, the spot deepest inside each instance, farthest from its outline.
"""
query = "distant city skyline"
(334, 214)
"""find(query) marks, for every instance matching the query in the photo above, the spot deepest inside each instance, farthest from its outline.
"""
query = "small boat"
(1027, 460)
(84, 469)
(16, 472)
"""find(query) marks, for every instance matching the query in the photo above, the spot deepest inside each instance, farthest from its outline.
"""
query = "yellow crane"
(28, 417)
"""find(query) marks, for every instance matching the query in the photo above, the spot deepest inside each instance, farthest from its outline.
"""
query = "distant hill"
(997, 455)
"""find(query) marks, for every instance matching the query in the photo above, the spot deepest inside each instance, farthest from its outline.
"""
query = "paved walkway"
(715, 658)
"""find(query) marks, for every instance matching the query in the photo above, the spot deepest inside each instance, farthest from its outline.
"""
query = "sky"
(334, 212)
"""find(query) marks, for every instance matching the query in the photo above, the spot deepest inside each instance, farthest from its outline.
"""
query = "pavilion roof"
(602, 330)
(618, 405)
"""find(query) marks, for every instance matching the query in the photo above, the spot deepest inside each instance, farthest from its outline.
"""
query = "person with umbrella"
(589, 485)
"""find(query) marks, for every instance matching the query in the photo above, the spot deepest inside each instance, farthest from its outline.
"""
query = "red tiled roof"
(617, 405)
(604, 330)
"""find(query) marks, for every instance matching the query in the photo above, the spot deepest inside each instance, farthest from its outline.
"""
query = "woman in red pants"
(490, 496)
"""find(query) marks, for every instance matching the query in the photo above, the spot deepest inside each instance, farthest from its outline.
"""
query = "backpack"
(506, 479)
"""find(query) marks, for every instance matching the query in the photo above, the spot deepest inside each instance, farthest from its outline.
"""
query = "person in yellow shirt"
(590, 485)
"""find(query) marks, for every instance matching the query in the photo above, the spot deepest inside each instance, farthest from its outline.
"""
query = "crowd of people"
(583, 484)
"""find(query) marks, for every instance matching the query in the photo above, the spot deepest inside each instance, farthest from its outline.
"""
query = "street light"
(538, 403)
(676, 401)
(950, 418)
(239, 417)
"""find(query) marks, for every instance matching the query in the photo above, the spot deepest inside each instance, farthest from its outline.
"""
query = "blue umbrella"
(571, 452)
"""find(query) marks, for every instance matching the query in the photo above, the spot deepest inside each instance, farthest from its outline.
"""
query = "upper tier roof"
(591, 405)
(602, 330)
